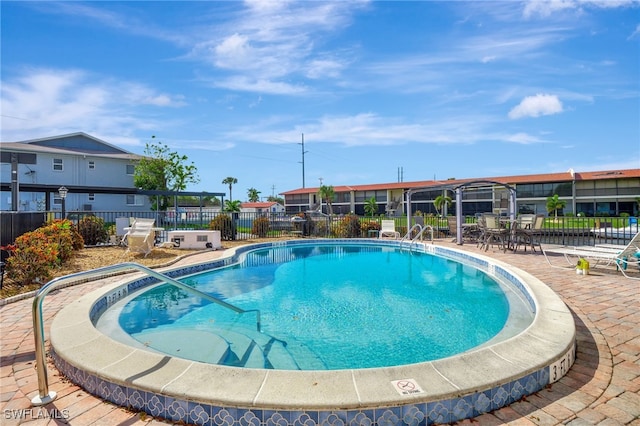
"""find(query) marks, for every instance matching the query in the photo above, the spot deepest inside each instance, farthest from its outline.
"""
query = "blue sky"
(382, 91)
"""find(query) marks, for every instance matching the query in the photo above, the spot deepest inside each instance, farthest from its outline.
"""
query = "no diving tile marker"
(406, 387)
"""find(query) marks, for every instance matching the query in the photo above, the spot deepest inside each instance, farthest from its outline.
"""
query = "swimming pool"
(324, 308)
(443, 390)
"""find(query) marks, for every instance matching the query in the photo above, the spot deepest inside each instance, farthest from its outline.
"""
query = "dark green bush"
(92, 230)
(224, 224)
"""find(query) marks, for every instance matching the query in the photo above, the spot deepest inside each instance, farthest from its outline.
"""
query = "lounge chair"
(621, 258)
(388, 229)
(141, 236)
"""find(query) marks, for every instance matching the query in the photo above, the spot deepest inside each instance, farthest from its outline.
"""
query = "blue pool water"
(323, 307)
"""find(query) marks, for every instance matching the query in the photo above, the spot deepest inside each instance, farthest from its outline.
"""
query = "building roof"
(567, 176)
(78, 143)
(258, 205)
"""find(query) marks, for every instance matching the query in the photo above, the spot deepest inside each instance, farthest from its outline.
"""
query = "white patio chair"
(388, 229)
(141, 236)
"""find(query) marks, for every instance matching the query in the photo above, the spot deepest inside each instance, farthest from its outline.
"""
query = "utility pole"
(303, 153)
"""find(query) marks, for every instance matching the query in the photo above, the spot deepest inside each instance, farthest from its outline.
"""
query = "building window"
(92, 197)
(92, 165)
(131, 169)
(133, 200)
(57, 201)
(57, 164)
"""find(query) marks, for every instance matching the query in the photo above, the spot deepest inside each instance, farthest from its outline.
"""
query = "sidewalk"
(602, 388)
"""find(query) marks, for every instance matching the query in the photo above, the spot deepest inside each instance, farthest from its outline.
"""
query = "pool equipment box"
(195, 239)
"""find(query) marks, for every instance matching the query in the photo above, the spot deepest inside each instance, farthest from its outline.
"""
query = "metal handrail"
(419, 234)
(408, 234)
(44, 395)
(425, 228)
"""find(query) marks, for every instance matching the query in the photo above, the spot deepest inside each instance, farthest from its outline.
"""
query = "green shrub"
(224, 224)
(319, 228)
(261, 227)
(93, 230)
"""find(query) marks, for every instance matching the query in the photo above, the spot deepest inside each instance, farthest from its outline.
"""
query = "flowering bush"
(36, 253)
(348, 227)
(370, 225)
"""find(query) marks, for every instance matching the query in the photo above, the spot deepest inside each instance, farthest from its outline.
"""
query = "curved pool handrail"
(44, 395)
(420, 230)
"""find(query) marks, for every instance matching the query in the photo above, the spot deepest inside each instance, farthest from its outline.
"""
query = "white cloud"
(535, 106)
(270, 43)
(546, 8)
(259, 85)
(49, 101)
(523, 138)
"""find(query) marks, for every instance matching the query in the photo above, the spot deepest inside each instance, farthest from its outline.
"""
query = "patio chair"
(629, 255)
(527, 232)
(388, 229)
(494, 232)
(141, 236)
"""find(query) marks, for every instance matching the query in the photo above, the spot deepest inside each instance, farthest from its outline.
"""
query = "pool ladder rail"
(44, 395)
(420, 231)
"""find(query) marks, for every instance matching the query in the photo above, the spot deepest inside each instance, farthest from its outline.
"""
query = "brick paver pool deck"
(602, 387)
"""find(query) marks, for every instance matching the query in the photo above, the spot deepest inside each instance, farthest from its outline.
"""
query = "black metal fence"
(14, 224)
(243, 226)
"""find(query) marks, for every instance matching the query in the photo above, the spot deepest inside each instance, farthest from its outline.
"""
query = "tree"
(230, 181)
(253, 195)
(327, 193)
(441, 201)
(232, 206)
(275, 199)
(554, 204)
(371, 206)
(163, 170)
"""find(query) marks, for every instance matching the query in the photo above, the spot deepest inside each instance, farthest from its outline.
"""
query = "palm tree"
(232, 206)
(253, 195)
(440, 201)
(371, 206)
(327, 193)
(230, 181)
(554, 204)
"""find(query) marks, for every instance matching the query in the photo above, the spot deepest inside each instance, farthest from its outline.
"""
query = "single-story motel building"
(594, 193)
